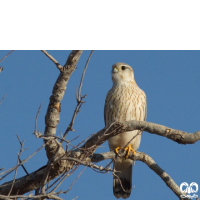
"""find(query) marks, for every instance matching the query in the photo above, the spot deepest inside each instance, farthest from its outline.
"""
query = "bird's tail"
(122, 178)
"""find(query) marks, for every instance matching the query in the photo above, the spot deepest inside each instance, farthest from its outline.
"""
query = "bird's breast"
(123, 104)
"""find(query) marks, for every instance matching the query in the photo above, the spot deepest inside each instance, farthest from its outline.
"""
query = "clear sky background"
(171, 81)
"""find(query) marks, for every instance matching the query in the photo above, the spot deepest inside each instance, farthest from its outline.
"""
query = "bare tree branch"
(21, 144)
(1, 68)
(52, 115)
(90, 164)
(23, 161)
(178, 136)
(70, 187)
(79, 99)
(6, 55)
(18, 158)
(148, 161)
(31, 182)
(81, 82)
(48, 168)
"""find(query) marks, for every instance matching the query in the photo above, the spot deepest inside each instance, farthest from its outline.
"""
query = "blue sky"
(171, 81)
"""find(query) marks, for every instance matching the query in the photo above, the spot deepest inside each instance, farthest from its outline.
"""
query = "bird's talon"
(117, 150)
(128, 149)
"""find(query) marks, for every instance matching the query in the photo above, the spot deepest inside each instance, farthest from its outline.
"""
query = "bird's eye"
(123, 67)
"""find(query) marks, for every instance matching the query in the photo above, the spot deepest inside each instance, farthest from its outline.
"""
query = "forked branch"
(79, 99)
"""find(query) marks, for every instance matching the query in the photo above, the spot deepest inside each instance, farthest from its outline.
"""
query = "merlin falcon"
(125, 101)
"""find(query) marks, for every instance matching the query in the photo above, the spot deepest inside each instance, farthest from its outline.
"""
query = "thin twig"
(75, 138)
(119, 181)
(53, 59)
(44, 137)
(21, 143)
(48, 196)
(70, 187)
(91, 165)
(108, 165)
(3, 98)
(81, 82)
(45, 178)
(77, 109)
(79, 99)
(21, 150)
(62, 178)
(35, 132)
(6, 55)
(14, 176)
(47, 170)
(19, 157)
(63, 174)
(90, 150)
(23, 161)
(23, 167)
(138, 133)
(77, 146)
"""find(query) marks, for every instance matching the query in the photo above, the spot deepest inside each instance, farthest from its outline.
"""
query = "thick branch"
(178, 136)
(24, 184)
(52, 115)
(121, 127)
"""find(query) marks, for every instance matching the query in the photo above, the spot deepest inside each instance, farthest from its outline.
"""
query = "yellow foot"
(128, 149)
(117, 150)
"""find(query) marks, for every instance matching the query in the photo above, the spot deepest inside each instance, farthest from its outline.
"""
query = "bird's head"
(122, 72)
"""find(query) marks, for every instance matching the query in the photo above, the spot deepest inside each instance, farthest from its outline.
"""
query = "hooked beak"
(115, 70)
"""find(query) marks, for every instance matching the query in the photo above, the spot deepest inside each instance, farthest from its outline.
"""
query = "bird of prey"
(125, 101)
